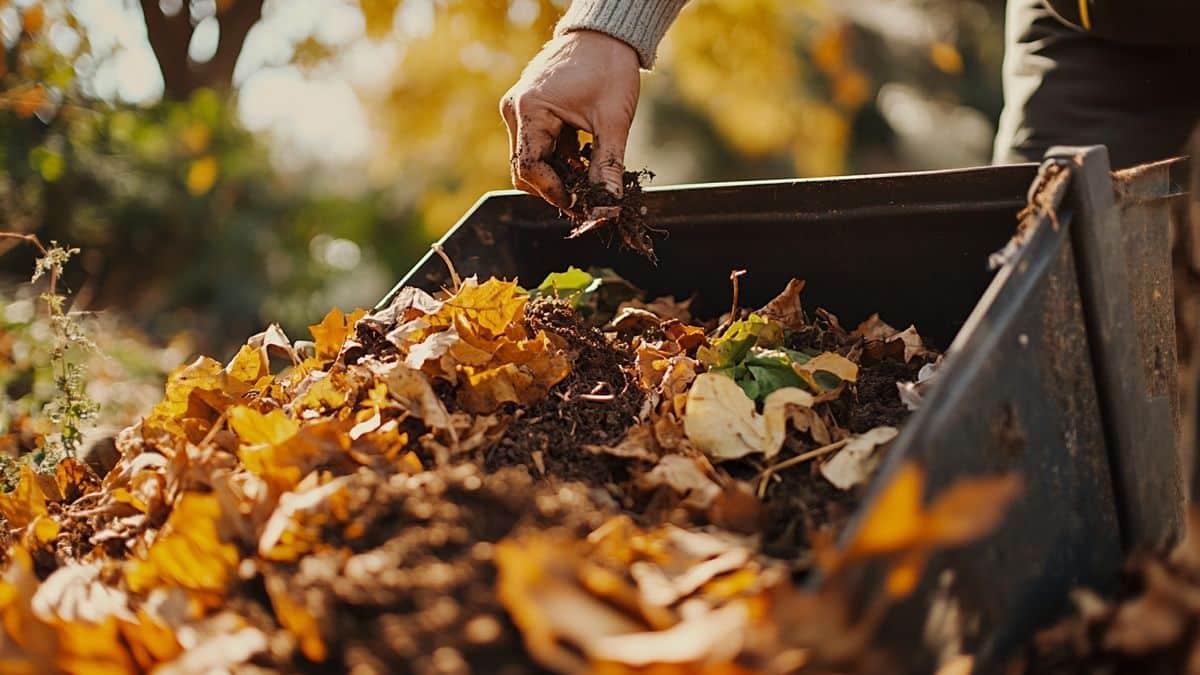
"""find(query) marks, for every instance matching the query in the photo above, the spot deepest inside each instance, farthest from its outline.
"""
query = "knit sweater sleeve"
(639, 23)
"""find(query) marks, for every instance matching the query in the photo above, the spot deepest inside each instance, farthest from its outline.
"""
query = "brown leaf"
(686, 476)
(785, 307)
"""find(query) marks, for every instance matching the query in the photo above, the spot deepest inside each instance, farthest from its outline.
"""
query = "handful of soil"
(593, 207)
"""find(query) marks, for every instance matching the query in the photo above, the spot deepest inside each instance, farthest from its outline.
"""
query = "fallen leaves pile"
(491, 480)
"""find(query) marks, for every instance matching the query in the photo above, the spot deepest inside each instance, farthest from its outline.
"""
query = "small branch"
(770, 471)
(457, 281)
(734, 276)
(37, 243)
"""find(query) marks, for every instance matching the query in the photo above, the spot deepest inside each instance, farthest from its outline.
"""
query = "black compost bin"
(1060, 363)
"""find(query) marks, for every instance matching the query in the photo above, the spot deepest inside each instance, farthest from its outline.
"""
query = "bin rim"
(768, 182)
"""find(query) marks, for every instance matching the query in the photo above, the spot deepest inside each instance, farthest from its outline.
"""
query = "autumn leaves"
(254, 497)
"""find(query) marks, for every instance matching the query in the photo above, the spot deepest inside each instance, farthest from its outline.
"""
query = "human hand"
(585, 80)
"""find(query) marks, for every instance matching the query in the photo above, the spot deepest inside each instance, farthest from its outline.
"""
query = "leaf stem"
(767, 473)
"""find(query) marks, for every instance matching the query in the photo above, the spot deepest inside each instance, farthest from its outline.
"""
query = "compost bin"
(1060, 362)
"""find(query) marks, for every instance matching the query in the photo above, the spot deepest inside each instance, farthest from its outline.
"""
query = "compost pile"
(492, 480)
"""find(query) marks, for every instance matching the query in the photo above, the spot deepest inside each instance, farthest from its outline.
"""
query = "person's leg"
(1065, 87)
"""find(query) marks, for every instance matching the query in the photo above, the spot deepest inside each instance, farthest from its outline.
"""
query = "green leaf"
(573, 285)
(735, 343)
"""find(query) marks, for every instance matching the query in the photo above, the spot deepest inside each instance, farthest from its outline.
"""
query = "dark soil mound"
(595, 405)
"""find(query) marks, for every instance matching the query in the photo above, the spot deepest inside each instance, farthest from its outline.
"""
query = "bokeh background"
(223, 164)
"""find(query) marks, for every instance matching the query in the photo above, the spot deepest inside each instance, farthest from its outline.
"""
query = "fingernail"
(612, 177)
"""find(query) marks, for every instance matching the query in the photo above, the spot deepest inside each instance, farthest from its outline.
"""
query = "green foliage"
(733, 346)
(574, 285)
(69, 407)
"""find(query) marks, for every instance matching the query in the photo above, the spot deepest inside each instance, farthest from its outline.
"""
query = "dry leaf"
(26, 501)
(76, 592)
(898, 523)
(785, 307)
(331, 333)
(686, 477)
(639, 443)
(856, 462)
(189, 552)
(723, 423)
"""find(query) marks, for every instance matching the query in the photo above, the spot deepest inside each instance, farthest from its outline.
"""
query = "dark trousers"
(1063, 86)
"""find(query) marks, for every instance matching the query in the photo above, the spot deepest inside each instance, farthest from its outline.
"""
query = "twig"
(437, 248)
(734, 276)
(37, 243)
(767, 473)
(212, 431)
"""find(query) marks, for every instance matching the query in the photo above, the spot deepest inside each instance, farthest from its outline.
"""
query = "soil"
(593, 207)
(876, 401)
(595, 405)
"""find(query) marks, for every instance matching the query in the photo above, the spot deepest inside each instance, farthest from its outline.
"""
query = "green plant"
(70, 408)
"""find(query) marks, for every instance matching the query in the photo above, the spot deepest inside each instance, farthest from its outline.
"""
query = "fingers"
(537, 130)
(608, 158)
(508, 110)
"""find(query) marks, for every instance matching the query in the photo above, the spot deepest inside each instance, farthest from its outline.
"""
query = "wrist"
(640, 24)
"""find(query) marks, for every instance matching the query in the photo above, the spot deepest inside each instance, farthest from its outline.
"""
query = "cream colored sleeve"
(639, 23)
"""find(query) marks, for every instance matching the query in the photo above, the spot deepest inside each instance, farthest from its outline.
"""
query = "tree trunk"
(170, 36)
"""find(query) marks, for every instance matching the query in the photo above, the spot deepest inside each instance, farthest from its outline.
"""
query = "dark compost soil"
(593, 207)
(595, 405)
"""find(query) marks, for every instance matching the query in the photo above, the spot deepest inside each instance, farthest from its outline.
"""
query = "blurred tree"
(189, 214)
(170, 28)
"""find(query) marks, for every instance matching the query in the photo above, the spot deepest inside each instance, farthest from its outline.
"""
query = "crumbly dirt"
(595, 405)
(875, 400)
(593, 207)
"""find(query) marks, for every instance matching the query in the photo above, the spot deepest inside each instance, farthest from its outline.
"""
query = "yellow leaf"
(189, 551)
(248, 365)
(493, 305)
(524, 373)
(195, 391)
(838, 365)
(898, 524)
(894, 521)
(150, 641)
(74, 478)
(202, 175)
(26, 502)
(45, 529)
(969, 509)
(329, 392)
(333, 330)
(255, 428)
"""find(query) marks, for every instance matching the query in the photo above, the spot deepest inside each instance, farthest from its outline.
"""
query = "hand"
(583, 79)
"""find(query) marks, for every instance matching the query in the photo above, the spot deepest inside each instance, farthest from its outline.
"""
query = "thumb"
(608, 158)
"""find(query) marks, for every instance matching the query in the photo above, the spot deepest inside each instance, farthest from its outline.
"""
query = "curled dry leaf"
(665, 308)
(689, 477)
(785, 307)
(856, 462)
(723, 423)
